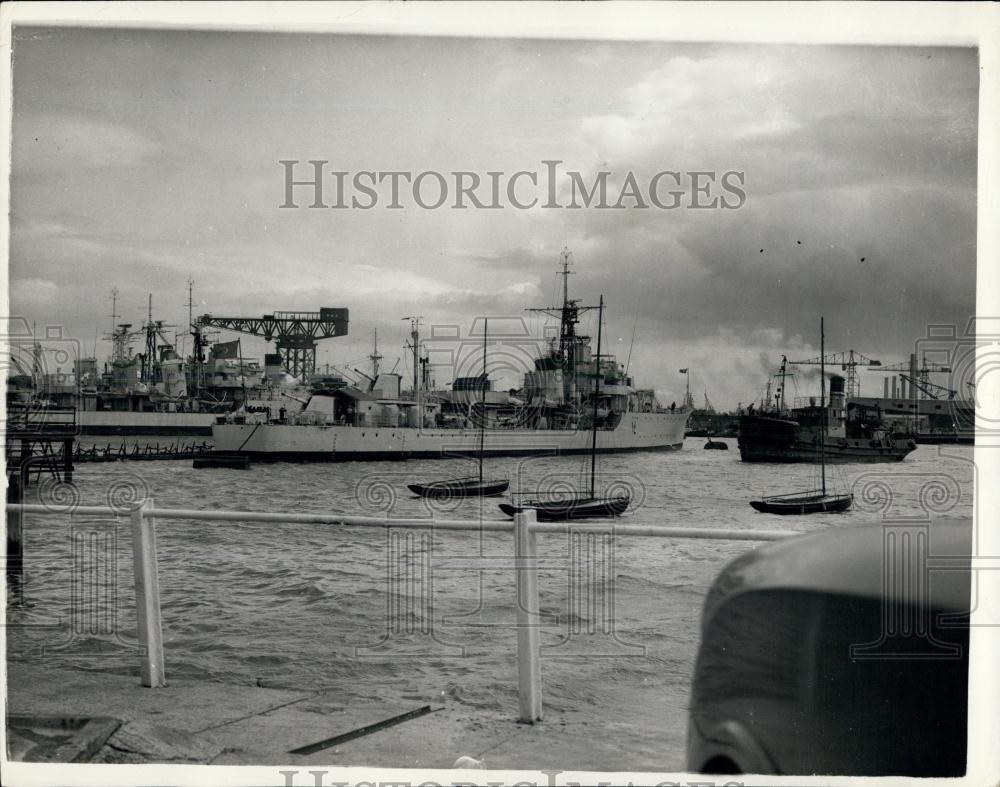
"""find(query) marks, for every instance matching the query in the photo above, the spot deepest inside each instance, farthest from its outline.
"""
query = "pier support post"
(67, 458)
(147, 595)
(529, 673)
(15, 540)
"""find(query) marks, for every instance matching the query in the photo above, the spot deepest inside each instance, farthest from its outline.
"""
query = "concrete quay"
(201, 722)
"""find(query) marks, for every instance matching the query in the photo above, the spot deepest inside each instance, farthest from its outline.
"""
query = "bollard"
(529, 673)
(147, 595)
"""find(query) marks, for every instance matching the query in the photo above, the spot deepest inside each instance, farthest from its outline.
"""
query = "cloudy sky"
(142, 158)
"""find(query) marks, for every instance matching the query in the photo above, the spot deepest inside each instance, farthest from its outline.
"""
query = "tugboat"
(849, 434)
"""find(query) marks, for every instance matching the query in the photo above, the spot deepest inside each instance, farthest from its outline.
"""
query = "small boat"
(717, 445)
(571, 508)
(818, 500)
(803, 503)
(582, 506)
(455, 488)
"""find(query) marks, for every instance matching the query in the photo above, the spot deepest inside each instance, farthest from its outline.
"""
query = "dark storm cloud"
(141, 157)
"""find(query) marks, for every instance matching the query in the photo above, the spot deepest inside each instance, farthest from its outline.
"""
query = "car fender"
(732, 740)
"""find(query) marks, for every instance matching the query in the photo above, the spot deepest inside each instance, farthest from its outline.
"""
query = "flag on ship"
(683, 371)
(226, 349)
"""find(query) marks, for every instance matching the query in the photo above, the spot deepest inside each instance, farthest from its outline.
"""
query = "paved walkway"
(201, 722)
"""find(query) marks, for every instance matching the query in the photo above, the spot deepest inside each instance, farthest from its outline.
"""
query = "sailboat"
(584, 506)
(469, 486)
(817, 500)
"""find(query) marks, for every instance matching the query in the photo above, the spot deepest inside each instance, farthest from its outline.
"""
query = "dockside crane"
(919, 376)
(849, 361)
(294, 333)
(933, 390)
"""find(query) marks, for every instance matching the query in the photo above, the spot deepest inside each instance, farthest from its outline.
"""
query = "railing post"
(147, 595)
(529, 673)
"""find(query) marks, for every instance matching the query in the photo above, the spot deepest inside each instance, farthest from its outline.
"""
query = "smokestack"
(902, 388)
(837, 392)
(272, 367)
(895, 392)
(885, 387)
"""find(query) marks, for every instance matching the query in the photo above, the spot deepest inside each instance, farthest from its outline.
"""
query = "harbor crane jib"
(848, 362)
(294, 333)
(919, 376)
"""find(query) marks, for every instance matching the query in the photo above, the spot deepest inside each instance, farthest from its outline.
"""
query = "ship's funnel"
(836, 391)
(272, 368)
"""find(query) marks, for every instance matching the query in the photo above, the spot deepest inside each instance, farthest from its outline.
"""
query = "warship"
(558, 410)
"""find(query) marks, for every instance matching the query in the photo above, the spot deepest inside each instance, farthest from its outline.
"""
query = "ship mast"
(150, 356)
(196, 335)
(414, 345)
(569, 315)
(822, 405)
(482, 420)
(375, 357)
(597, 389)
(114, 316)
(781, 391)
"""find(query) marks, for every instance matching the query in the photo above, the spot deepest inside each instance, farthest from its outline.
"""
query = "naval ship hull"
(331, 443)
(110, 422)
(764, 439)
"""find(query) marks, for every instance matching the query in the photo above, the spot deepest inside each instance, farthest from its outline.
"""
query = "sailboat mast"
(482, 419)
(597, 388)
(822, 403)
(781, 400)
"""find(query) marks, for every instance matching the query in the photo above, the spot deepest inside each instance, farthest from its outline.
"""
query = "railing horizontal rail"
(525, 528)
(492, 525)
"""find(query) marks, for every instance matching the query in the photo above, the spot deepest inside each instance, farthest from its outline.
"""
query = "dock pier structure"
(40, 440)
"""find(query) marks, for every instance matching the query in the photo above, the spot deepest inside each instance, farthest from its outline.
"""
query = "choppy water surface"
(420, 615)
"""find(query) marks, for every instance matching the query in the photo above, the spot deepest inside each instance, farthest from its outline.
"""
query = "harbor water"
(419, 616)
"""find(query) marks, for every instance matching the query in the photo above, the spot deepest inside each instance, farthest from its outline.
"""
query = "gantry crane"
(294, 333)
(849, 362)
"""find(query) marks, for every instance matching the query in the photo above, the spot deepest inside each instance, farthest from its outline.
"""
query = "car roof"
(852, 561)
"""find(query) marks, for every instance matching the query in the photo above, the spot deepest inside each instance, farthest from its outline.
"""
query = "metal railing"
(40, 420)
(525, 528)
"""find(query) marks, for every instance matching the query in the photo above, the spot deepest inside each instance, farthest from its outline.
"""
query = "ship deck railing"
(525, 565)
